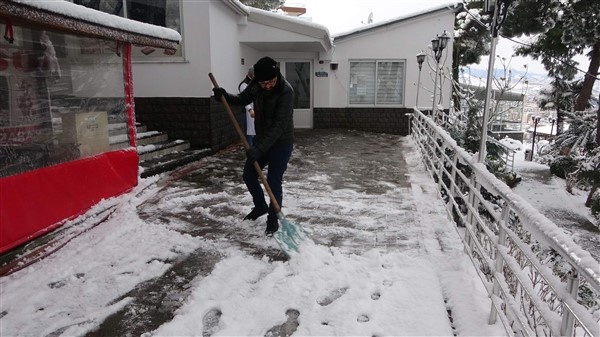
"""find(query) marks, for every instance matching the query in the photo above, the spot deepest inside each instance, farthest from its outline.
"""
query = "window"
(377, 82)
(61, 99)
(164, 13)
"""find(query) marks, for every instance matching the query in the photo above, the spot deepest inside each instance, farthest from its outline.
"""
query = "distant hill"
(536, 81)
(531, 77)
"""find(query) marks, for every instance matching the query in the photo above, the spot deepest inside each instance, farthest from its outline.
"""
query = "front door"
(298, 74)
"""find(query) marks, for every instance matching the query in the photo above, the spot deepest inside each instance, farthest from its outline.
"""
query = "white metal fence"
(540, 282)
(507, 155)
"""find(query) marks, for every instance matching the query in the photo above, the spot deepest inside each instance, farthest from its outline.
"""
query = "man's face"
(269, 84)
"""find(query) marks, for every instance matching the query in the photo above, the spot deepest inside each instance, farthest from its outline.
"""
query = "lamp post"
(437, 45)
(535, 124)
(500, 10)
(420, 60)
(553, 120)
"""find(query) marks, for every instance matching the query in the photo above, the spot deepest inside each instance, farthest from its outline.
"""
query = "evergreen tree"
(559, 96)
(471, 39)
(578, 145)
(562, 29)
(268, 5)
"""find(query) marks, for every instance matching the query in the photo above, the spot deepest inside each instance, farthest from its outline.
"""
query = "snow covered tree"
(561, 30)
(560, 95)
(267, 5)
(589, 171)
(578, 145)
(471, 39)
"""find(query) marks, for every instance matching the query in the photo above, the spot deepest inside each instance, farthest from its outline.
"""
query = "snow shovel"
(289, 236)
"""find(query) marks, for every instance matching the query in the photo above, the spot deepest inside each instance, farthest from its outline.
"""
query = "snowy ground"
(548, 194)
(173, 257)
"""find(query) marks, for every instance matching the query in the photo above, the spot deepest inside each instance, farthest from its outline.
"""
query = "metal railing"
(540, 282)
(507, 155)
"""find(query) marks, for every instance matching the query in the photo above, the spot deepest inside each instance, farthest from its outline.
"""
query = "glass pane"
(362, 83)
(298, 74)
(390, 82)
(61, 95)
(163, 13)
(107, 6)
(148, 11)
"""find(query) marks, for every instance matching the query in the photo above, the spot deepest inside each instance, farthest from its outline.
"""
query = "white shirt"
(249, 119)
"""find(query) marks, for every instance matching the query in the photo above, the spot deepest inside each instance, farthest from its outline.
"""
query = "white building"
(363, 79)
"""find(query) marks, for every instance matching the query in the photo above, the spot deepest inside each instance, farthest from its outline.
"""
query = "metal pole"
(433, 113)
(535, 123)
(418, 86)
(488, 86)
(568, 321)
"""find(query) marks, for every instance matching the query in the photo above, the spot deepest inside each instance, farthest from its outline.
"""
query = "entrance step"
(171, 161)
(121, 141)
(161, 148)
(157, 154)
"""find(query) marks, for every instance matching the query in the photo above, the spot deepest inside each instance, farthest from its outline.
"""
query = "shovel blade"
(289, 236)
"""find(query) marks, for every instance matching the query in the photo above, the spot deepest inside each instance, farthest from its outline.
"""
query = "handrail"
(509, 242)
(509, 154)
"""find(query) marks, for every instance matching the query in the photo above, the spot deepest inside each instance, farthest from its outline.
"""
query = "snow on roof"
(281, 21)
(237, 6)
(450, 5)
(79, 12)
(320, 29)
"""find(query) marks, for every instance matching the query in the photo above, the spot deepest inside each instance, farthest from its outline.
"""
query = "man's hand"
(219, 92)
(253, 154)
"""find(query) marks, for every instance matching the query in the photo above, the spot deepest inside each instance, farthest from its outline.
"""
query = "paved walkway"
(548, 194)
(350, 190)
(328, 171)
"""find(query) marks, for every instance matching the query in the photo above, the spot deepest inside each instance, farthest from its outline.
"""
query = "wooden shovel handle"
(240, 133)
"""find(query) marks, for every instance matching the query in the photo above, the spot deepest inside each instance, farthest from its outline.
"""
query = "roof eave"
(237, 7)
(457, 8)
(24, 13)
(292, 24)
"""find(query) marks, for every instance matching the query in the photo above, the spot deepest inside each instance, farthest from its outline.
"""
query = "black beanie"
(265, 69)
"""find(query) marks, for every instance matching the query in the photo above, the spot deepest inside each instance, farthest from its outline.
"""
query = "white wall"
(211, 35)
(180, 77)
(322, 85)
(225, 51)
(401, 41)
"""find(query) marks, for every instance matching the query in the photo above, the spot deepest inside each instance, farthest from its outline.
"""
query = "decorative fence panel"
(540, 282)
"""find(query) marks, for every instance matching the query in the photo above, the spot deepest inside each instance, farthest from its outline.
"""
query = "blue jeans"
(250, 139)
(277, 158)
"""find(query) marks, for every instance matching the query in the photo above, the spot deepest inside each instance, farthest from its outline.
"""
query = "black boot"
(257, 212)
(272, 226)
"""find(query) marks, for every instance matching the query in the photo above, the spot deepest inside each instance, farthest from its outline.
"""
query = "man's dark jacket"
(274, 112)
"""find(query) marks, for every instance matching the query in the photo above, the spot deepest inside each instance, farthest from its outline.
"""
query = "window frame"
(155, 55)
(401, 80)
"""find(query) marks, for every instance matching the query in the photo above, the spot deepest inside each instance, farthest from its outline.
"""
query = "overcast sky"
(343, 15)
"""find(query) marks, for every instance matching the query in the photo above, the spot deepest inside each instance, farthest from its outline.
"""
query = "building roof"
(66, 16)
(294, 10)
(450, 6)
(319, 37)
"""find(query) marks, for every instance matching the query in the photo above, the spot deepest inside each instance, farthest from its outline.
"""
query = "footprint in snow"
(210, 322)
(362, 318)
(334, 295)
(63, 282)
(375, 295)
(288, 328)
